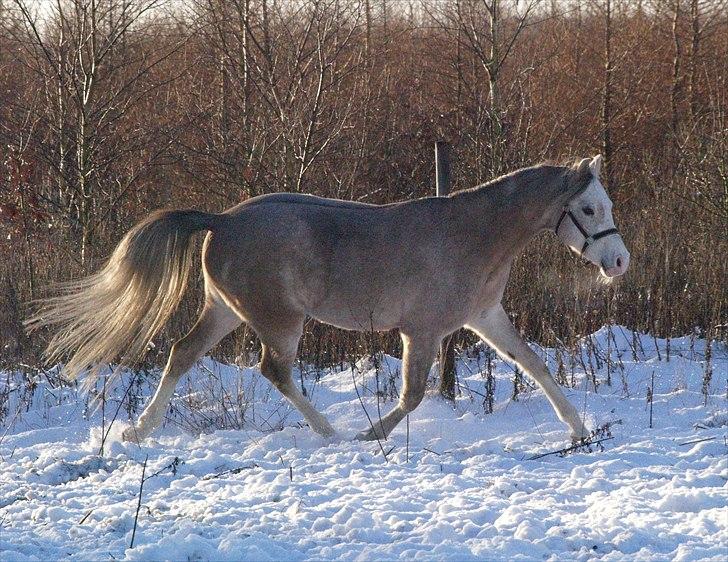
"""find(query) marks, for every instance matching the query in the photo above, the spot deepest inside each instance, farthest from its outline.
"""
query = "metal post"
(447, 347)
(442, 168)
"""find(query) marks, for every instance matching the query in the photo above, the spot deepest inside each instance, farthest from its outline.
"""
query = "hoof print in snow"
(61, 472)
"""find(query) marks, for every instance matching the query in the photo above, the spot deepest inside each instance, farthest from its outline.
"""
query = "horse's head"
(586, 224)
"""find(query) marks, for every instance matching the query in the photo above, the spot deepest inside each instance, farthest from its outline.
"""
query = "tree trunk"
(693, 62)
(493, 69)
(607, 147)
(675, 91)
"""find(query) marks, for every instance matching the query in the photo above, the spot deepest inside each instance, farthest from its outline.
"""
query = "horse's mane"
(528, 175)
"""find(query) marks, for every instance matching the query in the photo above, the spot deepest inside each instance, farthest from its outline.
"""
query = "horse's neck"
(501, 218)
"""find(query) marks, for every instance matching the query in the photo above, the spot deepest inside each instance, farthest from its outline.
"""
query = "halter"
(588, 239)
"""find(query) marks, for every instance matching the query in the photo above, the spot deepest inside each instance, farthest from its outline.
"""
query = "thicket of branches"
(112, 108)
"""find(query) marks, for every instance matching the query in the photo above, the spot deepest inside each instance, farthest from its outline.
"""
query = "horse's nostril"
(619, 262)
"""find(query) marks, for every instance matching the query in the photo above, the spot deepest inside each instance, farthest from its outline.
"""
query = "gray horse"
(426, 267)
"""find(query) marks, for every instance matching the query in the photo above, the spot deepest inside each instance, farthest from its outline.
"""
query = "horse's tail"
(113, 314)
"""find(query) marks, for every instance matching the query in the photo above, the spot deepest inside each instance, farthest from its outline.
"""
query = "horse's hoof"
(131, 435)
(365, 436)
(579, 436)
(330, 435)
(368, 435)
(325, 431)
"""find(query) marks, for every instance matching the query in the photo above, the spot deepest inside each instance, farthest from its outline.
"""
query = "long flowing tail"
(113, 314)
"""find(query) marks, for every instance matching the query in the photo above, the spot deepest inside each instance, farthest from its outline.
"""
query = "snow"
(236, 475)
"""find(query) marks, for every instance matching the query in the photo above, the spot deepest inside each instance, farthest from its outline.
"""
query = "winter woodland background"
(112, 108)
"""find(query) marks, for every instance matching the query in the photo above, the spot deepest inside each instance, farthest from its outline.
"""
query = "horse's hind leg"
(279, 353)
(215, 321)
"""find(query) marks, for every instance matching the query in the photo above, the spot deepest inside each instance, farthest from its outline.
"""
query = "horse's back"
(289, 200)
(289, 219)
(336, 260)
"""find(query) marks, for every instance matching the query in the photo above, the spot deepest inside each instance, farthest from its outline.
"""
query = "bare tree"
(294, 64)
(705, 18)
(88, 55)
(487, 32)
(676, 62)
(606, 113)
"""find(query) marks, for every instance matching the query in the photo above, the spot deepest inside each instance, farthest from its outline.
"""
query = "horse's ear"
(596, 165)
(584, 166)
(578, 178)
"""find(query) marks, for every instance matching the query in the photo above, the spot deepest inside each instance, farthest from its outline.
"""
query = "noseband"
(588, 239)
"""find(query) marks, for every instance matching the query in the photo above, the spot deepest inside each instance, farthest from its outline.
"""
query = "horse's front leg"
(494, 327)
(417, 357)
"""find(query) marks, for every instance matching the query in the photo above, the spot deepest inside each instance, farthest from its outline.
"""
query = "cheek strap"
(588, 238)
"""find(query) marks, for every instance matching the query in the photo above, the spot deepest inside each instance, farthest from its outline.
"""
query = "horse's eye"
(588, 211)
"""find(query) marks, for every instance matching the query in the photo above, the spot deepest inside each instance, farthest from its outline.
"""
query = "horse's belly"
(357, 317)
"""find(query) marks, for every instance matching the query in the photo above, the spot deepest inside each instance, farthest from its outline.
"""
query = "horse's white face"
(592, 210)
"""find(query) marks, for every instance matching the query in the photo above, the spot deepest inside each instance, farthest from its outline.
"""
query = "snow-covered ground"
(235, 475)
